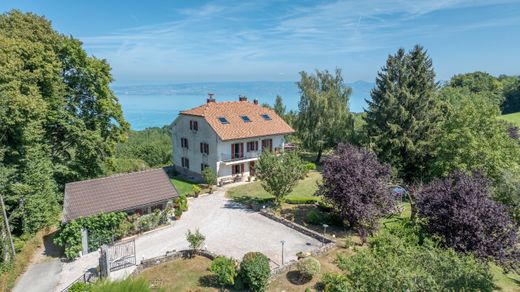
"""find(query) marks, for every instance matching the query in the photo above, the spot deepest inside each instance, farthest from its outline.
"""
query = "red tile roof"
(116, 193)
(237, 128)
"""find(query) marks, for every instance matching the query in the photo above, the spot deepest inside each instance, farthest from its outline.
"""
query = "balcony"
(239, 157)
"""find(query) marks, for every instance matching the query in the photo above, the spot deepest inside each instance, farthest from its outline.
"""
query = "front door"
(252, 168)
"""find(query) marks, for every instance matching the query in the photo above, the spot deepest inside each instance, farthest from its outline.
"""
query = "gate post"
(104, 266)
(84, 241)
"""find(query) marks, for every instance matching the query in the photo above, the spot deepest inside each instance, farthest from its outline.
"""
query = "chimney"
(255, 101)
(242, 98)
(210, 98)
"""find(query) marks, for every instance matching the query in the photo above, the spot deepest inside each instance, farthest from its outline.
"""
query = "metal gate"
(116, 257)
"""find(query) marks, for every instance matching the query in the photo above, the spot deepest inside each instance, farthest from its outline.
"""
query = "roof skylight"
(245, 119)
(223, 120)
(266, 117)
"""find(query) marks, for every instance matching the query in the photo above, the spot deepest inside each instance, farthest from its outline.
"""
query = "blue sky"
(194, 41)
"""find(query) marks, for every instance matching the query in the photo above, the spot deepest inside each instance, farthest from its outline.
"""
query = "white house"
(226, 136)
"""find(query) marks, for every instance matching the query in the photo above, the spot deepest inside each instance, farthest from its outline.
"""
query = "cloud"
(225, 37)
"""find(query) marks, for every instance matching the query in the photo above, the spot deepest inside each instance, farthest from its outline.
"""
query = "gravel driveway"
(229, 228)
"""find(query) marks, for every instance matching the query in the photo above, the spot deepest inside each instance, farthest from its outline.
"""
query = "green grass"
(181, 275)
(512, 118)
(505, 282)
(184, 187)
(306, 188)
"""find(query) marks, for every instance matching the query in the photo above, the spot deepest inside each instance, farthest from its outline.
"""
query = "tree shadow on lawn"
(295, 278)
(209, 281)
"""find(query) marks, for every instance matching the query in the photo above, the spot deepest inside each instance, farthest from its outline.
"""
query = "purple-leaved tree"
(459, 209)
(358, 186)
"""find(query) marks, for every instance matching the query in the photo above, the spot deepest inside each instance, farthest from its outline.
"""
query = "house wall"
(205, 134)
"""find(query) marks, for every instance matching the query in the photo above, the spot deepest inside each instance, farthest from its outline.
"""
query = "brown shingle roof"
(116, 193)
(237, 128)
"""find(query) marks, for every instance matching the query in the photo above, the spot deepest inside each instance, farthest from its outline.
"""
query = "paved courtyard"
(229, 228)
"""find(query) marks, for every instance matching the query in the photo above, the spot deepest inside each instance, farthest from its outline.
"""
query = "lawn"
(184, 187)
(180, 275)
(512, 118)
(305, 189)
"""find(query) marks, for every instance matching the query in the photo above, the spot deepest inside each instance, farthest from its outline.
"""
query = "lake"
(158, 105)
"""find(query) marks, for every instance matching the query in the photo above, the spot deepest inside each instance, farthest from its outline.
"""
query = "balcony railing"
(226, 157)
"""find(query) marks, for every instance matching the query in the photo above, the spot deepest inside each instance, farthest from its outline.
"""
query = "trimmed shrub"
(334, 282)
(225, 269)
(254, 270)
(298, 201)
(308, 268)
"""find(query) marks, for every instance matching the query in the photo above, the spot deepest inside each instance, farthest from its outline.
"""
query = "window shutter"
(241, 150)
(232, 151)
(207, 148)
(256, 145)
(242, 168)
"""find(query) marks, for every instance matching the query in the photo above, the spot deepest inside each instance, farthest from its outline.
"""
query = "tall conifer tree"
(404, 113)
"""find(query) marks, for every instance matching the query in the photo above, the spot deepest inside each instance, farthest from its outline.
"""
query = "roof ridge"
(115, 175)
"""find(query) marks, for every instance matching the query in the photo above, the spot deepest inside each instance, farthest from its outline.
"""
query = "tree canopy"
(279, 174)
(324, 119)
(59, 119)
(358, 186)
(471, 138)
(459, 209)
(403, 116)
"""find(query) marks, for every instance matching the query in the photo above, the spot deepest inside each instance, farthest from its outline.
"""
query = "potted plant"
(196, 190)
(178, 213)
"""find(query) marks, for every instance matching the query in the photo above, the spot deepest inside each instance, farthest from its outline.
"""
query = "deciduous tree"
(358, 186)
(279, 174)
(459, 209)
(324, 118)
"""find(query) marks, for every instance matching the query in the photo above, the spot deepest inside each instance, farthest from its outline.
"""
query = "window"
(245, 119)
(237, 169)
(203, 166)
(194, 125)
(252, 146)
(184, 143)
(266, 117)
(185, 162)
(204, 148)
(237, 150)
(267, 144)
(223, 120)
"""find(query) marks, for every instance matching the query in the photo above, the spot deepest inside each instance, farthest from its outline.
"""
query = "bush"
(177, 213)
(127, 285)
(196, 190)
(314, 217)
(310, 166)
(80, 287)
(181, 203)
(308, 268)
(408, 265)
(225, 269)
(254, 270)
(334, 282)
(196, 239)
(297, 201)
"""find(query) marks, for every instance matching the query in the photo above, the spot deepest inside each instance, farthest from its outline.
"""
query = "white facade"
(220, 156)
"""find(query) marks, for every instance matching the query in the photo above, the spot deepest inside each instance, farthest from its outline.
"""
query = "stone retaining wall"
(297, 227)
(170, 256)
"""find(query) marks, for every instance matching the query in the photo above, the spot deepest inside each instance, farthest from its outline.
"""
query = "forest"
(61, 122)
